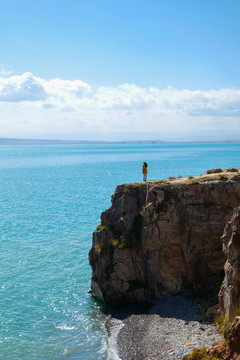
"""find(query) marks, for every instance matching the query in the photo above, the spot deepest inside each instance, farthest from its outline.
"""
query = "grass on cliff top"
(190, 180)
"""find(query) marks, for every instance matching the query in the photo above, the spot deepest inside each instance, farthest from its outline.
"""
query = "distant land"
(15, 141)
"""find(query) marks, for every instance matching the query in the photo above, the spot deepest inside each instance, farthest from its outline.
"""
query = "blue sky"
(188, 51)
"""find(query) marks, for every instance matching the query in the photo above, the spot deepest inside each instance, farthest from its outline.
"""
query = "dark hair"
(145, 164)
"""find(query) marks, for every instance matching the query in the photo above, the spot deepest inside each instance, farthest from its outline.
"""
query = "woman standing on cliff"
(145, 171)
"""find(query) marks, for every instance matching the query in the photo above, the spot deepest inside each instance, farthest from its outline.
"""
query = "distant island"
(13, 141)
(16, 141)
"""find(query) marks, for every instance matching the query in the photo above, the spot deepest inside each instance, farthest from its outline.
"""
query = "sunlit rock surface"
(163, 237)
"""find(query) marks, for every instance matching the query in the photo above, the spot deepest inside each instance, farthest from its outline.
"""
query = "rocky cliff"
(162, 237)
(229, 295)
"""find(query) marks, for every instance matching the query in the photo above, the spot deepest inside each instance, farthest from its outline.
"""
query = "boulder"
(214, 171)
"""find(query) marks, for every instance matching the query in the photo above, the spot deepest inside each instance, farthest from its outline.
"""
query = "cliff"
(229, 294)
(163, 237)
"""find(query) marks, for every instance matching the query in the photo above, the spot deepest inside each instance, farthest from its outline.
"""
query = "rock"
(219, 350)
(229, 294)
(231, 169)
(163, 237)
(214, 171)
(233, 334)
(213, 312)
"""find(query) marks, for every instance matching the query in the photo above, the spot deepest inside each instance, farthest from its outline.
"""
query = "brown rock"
(214, 171)
(218, 350)
(231, 169)
(163, 237)
(233, 334)
(213, 312)
(229, 295)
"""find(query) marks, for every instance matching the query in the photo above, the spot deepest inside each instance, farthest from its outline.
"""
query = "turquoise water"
(51, 201)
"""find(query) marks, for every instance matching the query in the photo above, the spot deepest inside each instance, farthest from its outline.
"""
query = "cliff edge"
(163, 237)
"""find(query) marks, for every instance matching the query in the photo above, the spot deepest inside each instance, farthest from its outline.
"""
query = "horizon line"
(32, 141)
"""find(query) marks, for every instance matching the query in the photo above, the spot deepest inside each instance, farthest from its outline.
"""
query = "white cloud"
(4, 71)
(21, 88)
(32, 106)
(61, 92)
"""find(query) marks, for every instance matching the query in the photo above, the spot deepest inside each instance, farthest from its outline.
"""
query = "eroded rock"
(233, 334)
(160, 238)
(229, 295)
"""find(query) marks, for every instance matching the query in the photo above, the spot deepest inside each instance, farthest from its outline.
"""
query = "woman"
(144, 171)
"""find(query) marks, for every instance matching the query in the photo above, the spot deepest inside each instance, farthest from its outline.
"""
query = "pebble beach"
(169, 329)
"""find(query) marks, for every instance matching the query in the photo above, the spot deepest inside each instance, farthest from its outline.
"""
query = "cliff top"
(212, 176)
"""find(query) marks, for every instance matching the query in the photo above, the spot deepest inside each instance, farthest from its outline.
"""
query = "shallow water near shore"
(51, 201)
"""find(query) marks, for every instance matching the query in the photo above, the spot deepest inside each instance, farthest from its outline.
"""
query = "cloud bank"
(34, 107)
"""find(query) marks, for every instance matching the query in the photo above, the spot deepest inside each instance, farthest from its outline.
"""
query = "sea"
(51, 199)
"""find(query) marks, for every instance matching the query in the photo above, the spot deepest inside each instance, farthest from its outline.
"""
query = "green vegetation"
(100, 228)
(191, 177)
(108, 227)
(160, 181)
(201, 354)
(102, 249)
(97, 249)
(119, 242)
(145, 206)
(116, 242)
(135, 185)
(131, 238)
(172, 178)
(192, 182)
(223, 176)
(224, 324)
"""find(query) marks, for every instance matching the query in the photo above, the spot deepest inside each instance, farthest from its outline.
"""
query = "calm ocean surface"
(51, 201)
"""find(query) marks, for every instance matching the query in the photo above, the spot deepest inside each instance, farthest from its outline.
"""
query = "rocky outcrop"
(233, 334)
(162, 237)
(229, 295)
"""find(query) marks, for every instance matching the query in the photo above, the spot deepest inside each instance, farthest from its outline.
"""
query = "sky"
(120, 70)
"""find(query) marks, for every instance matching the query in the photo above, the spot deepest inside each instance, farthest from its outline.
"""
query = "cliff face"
(229, 295)
(160, 238)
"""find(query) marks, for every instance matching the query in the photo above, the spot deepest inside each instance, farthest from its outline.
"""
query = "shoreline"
(171, 328)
